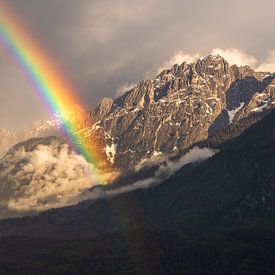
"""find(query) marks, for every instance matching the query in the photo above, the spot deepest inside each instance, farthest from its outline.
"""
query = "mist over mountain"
(234, 184)
(204, 103)
(194, 147)
(215, 217)
(179, 107)
(137, 137)
(41, 174)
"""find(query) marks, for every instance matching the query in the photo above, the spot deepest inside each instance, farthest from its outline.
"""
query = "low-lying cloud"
(47, 177)
(165, 170)
(53, 176)
(170, 167)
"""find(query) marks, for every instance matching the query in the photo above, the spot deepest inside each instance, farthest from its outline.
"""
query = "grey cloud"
(101, 45)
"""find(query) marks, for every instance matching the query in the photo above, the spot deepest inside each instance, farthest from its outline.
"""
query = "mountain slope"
(233, 187)
(173, 111)
(216, 217)
(181, 106)
(244, 251)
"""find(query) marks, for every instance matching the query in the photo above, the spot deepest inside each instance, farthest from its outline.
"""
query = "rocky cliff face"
(179, 107)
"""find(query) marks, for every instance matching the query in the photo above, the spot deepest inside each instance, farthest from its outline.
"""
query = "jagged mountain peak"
(182, 105)
(211, 61)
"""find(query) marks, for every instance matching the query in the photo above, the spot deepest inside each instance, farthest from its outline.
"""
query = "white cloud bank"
(165, 171)
(48, 177)
(54, 176)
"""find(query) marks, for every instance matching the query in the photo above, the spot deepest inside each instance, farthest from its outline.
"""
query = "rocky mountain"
(181, 106)
(201, 104)
(216, 217)
(210, 217)
(232, 188)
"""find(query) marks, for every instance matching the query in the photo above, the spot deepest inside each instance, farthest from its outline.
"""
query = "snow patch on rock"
(110, 151)
(233, 112)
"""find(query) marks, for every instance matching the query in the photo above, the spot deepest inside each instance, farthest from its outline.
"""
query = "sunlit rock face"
(159, 117)
(163, 115)
(179, 107)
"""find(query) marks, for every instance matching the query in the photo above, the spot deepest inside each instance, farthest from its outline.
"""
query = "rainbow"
(51, 87)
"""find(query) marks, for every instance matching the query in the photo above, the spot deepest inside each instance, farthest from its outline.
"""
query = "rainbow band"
(48, 83)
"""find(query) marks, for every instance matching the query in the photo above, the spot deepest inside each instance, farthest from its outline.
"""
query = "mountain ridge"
(234, 187)
(181, 106)
(210, 217)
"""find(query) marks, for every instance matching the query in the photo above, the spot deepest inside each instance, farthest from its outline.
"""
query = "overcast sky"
(103, 45)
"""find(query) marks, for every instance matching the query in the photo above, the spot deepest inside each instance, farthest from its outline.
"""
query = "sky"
(105, 46)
